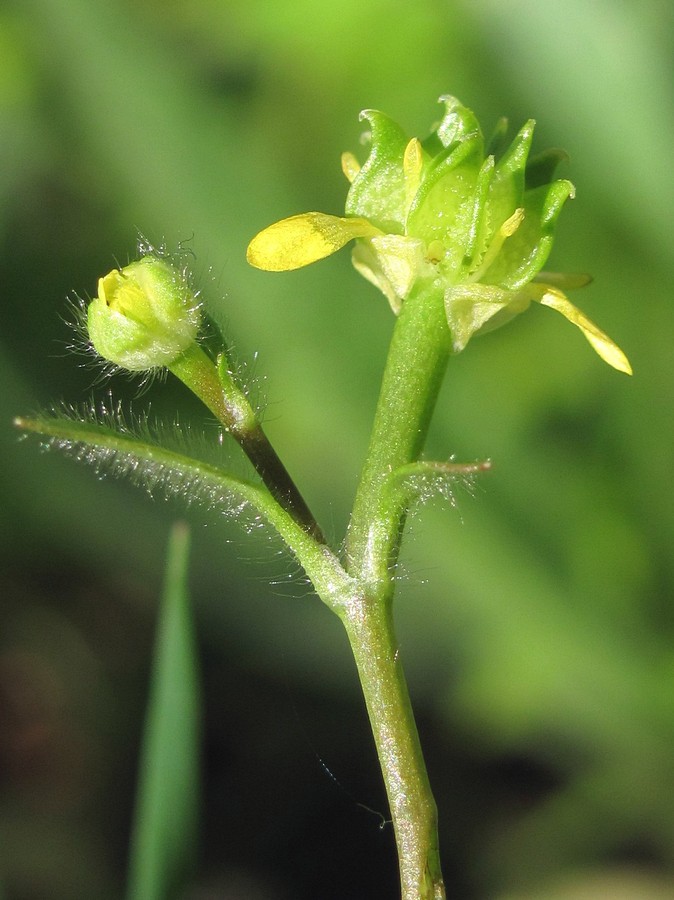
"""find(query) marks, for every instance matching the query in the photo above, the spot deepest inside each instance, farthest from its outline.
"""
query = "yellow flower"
(439, 215)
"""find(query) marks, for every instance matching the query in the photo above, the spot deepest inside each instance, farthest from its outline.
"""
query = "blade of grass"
(165, 831)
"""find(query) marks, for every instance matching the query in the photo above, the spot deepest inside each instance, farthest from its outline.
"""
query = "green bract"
(440, 216)
(145, 315)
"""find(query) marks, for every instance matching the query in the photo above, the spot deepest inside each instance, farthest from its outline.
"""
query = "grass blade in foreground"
(165, 830)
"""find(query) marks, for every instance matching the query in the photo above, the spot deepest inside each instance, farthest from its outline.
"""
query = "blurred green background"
(535, 618)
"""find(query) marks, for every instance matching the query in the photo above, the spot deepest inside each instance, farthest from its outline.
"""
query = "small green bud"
(145, 315)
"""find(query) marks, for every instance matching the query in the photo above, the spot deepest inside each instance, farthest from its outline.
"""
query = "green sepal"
(473, 308)
(378, 190)
(457, 124)
(421, 481)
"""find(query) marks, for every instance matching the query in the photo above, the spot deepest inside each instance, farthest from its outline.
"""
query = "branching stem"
(226, 400)
(360, 591)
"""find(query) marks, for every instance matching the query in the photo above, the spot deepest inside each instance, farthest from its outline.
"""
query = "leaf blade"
(165, 831)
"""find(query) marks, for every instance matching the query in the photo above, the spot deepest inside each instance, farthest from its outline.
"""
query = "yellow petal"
(602, 344)
(300, 240)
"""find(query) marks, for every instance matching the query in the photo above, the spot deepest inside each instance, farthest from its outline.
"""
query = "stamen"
(350, 166)
(506, 230)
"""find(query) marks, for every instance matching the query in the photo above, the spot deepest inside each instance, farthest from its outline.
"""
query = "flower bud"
(145, 315)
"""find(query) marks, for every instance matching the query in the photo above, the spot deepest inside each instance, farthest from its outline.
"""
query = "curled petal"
(300, 240)
(601, 343)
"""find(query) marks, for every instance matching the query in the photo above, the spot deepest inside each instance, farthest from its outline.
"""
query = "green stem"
(416, 364)
(369, 625)
(215, 387)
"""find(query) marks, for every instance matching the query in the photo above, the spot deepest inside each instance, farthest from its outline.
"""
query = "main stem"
(415, 367)
(369, 625)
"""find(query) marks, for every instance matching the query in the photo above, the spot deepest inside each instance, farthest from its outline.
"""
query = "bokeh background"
(535, 617)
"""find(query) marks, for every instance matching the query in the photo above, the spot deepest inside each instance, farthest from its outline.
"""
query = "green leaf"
(421, 481)
(165, 832)
(105, 439)
(114, 445)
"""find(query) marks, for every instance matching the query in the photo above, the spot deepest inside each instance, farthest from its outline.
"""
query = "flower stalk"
(215, 386)
(417, 361)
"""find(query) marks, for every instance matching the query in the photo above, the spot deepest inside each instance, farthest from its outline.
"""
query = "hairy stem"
(229, 404)
(415, 367)
(416, 364)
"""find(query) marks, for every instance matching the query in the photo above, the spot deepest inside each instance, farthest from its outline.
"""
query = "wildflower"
(145, 315)
(440, 216)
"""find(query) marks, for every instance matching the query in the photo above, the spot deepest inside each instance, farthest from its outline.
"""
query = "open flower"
(439, 215)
